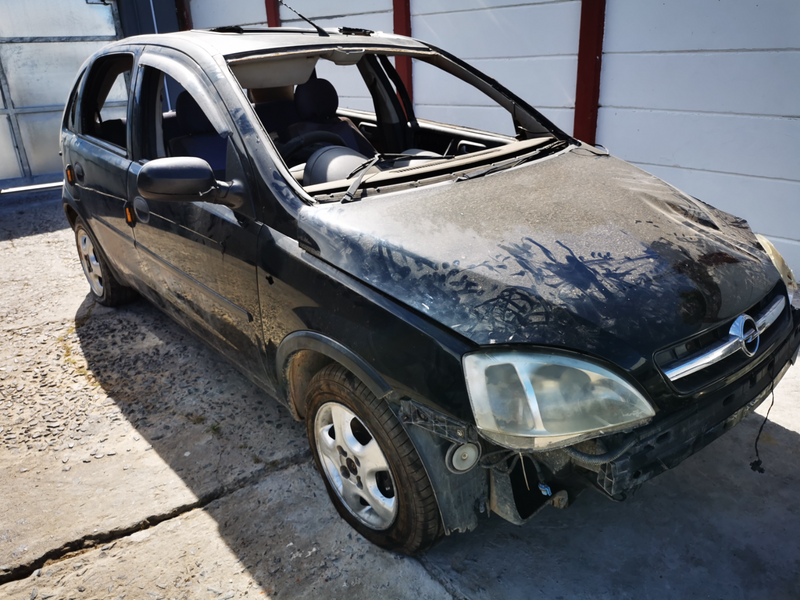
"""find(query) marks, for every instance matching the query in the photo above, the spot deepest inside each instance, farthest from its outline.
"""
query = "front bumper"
(680, 435)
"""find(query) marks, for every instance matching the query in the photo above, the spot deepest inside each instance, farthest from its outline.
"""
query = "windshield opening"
(345, 126)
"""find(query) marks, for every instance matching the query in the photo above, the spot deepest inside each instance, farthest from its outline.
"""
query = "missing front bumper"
(677, 440)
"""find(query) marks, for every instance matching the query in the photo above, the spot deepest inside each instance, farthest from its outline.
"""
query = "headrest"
(190, 117)
(316, 100)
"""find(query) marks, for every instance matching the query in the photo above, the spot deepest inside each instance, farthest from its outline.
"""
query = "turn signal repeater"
(130, 215)
(70, 174)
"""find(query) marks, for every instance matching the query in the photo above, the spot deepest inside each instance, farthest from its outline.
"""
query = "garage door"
(42, 45)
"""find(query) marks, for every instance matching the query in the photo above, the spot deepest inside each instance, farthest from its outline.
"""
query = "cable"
(756, 464)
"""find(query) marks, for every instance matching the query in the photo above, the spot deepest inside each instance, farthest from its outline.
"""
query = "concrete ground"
(135, 463)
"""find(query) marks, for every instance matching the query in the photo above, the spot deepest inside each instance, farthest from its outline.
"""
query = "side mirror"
(186, 179)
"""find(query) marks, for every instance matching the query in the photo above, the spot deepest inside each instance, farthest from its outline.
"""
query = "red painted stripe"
(273, 13)
(402, 26)
(184, 15)
(590, 55)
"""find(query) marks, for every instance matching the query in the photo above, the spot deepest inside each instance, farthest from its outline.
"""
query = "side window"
(175, 122)
(71, 112)
(104, 106)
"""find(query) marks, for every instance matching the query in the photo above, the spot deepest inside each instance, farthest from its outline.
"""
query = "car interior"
(105, 102)
(325, 146)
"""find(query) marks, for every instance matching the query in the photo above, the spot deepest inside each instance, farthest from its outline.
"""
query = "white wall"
(530, 47)
(369, 14)
(703, 93)
(213, 13)
(706, 95)
(376, 15)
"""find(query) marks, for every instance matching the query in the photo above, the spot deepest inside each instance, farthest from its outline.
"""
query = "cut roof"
(232, 45)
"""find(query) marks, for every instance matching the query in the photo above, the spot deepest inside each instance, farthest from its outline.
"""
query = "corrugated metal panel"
(42, 74)
(42, 45)
(40, 136)
(9, 166)
(52, 18)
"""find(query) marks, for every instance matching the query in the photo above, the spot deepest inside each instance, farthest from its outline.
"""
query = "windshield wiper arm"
(361, 170)
(376, 160)
(510, 164)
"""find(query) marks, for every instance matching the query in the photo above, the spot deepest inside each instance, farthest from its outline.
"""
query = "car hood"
(577, 250)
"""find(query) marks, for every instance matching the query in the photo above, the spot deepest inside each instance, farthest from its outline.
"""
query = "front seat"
(197, 135)
(316, 102)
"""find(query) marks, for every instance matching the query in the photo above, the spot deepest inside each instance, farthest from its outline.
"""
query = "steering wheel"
(295, 145)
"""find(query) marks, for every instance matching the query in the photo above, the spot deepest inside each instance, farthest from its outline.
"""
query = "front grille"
(714, 353)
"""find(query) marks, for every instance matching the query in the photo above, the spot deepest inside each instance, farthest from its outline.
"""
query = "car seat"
(198, 137)
(316, 102)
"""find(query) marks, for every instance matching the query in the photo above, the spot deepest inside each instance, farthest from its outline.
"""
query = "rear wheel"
(105, 288)
(371, 470)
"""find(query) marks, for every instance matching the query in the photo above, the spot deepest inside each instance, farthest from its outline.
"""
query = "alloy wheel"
(355, 465)
(89, 262)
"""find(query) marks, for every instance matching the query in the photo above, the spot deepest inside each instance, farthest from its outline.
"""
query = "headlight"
(546, 400)
(780, 263)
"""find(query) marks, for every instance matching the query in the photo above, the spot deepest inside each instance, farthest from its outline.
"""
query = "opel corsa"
(467, 321)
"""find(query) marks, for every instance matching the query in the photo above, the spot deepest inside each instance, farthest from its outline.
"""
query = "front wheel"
(371, 470)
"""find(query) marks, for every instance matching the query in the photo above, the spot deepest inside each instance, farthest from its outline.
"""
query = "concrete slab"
(40, 271)
(280, 538)
(110, 419)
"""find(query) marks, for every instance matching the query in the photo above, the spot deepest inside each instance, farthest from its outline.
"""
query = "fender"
(311, 340)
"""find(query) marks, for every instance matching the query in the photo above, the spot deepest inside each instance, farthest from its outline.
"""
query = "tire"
(104, 286)
(371, 470)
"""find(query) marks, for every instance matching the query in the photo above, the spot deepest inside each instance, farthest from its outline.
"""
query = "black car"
(468, 321)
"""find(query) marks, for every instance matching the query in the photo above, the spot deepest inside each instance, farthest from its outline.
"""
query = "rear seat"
(115, 131)
(197, 136)
(277, 116)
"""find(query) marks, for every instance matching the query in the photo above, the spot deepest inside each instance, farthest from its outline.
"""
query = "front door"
(198, 259)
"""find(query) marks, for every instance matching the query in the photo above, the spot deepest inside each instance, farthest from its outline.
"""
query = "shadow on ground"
(712, 527)
(183, 398)
(241, 453)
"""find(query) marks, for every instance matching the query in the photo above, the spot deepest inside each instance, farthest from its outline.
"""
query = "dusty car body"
(467, 321)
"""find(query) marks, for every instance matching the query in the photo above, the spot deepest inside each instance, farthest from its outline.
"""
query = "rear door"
(197, 259)
(96, 145)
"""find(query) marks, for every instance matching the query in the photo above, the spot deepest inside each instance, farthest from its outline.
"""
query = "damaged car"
(468, 321)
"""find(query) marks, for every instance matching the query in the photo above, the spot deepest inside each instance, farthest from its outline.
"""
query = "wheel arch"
(71, 214)
(302, 354)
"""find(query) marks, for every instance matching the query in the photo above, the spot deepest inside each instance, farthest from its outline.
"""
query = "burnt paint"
(416, 356)
(576, 251)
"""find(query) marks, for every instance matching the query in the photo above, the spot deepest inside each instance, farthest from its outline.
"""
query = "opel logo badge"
(745, 330)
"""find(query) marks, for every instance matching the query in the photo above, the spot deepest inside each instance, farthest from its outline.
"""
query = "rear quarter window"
(71, 110)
